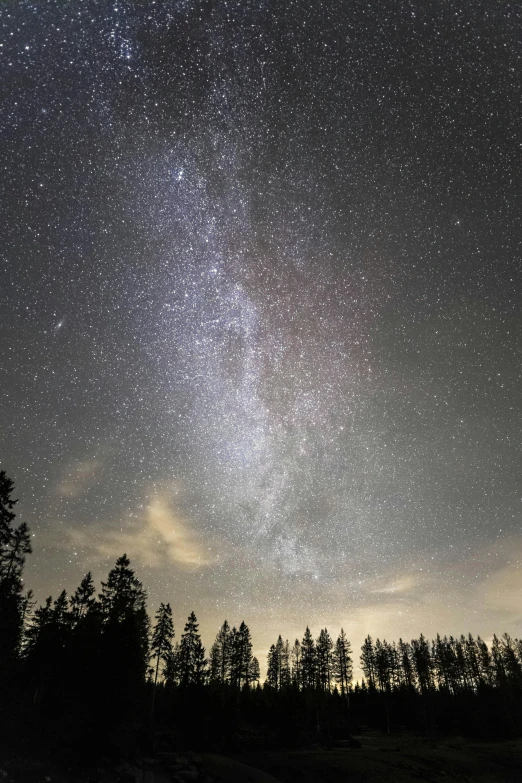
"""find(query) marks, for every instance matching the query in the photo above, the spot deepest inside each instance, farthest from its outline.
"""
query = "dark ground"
(404, 759)
(397, 760)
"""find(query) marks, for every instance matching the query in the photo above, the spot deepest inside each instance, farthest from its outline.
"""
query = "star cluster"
(261, 316)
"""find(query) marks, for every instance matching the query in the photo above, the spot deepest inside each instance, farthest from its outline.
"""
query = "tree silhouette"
(191, 656)
(161, 643)
(47, 650)
(342, 667)
(83, 662)
(83, 599)
(220, 655)
(273, 667)
(295, 660)
(323, 653)
(125, 629)
(254, 672)
(171, 672)
(162, 635)
(6, 509)
(240, 655)
(368, 661)
(15, 544)
(308, 660)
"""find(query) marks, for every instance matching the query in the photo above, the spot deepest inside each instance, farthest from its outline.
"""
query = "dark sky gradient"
(261, 322)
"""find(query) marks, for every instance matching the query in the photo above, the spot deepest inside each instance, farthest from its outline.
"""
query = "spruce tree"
(295, 658)
(191, 657)
(6, 509)
(485, 662)
(15, 544)
(406, 666)
(423, 663)
(200, 664)
(48, 650)
(254, 672)
(285, 677)
(171, 672)
(220, 655)
(382, 665)
(368, 662)
(342, 667)
(122, 593)
(273, 668)
(323, 652)
(125, 630)
(308, 660)
(83, 598)
(241, 655)
(162, 635)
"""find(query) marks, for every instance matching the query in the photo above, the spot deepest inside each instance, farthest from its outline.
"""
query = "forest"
(92, 668)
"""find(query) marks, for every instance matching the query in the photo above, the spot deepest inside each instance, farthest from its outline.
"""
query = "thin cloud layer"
(77, 478)
(163, 536)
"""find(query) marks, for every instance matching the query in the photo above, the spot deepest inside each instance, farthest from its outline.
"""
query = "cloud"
(162, 536)
(400, 585)
(502, 591)
(77, 478)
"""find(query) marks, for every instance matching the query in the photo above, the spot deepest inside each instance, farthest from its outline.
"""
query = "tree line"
(95, 659)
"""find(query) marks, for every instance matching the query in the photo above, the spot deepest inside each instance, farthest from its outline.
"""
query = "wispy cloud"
(502, 591)
(161, 536)
(398, 586)
(77, 478)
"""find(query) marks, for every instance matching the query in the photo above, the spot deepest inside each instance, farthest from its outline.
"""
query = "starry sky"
(261, 277)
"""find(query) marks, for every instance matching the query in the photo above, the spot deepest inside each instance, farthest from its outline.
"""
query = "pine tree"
(512, 665)
(382, 665)
(12, 556)
(284, 676)
(122, 593)
(171, 672)
(308, 660)
(83, 598)
(441, 662)
(423, 663)
(295, 658)
(37, 629)
(61, 618)
(472, 659)
(342, 667)
(125, 630)
(192, 664)
(220, 655)
(15, 544)
(254, 672)
(485, 662)
(200, 664)
(48, 650)
(395, 666)
(406, 666)
(88, 649)
(162, 635)
(368, 662)
(273, 668)
(240, 655)
(6, 510)
(323, 651)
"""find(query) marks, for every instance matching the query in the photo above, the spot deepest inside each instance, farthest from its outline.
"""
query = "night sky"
(261, 307)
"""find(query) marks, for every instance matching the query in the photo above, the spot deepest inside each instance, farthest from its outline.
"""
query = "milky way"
(261, 319)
